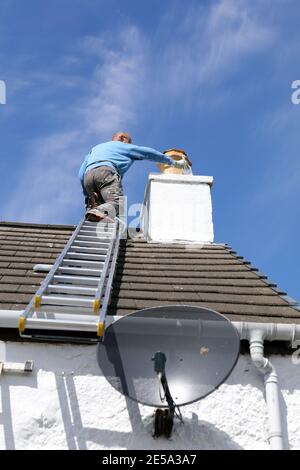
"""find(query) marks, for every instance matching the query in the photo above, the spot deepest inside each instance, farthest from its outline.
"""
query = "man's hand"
(182, 163)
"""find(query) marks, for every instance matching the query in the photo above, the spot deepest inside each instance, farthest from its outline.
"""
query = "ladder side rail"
(105, 270)
(52, 272)
(107, 295)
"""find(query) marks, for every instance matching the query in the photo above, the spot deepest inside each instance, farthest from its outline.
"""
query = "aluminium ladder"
(72, 301)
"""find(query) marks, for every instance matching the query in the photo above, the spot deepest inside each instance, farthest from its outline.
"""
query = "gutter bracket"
(294, 343)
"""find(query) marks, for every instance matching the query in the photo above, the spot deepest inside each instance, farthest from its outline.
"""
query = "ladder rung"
(87, 256)
(82, 263)
(65, 300)
(66, 309)
(79, 271)
(78, 280)
(67, 289)
(98, 244)
(96, 232)
(86, 249)
(93, 224)
(89, 238)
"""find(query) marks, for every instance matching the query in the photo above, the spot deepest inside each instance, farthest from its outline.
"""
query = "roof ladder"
(72, 301)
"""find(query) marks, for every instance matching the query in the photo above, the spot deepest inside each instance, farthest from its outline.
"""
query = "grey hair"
(120, 132)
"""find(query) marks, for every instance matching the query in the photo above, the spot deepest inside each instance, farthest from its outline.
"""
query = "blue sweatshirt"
(119, 156)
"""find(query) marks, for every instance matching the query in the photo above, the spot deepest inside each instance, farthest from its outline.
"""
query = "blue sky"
(212, 77)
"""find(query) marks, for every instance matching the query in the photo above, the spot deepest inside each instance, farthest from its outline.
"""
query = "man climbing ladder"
(102, 171)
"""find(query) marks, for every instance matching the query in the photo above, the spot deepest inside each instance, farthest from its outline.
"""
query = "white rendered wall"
(178, 208)
(66, 403)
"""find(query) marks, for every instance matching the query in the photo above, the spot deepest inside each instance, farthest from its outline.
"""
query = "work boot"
(93, 215)
(93, 201)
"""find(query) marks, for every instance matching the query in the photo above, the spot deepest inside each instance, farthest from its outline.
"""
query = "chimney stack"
(178, 208)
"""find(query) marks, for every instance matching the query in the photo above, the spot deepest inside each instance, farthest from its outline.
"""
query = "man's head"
(122, 137)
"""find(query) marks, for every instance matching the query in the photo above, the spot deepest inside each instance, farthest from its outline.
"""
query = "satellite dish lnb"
(168, 357)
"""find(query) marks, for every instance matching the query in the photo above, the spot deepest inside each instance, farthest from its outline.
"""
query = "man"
(102, 171)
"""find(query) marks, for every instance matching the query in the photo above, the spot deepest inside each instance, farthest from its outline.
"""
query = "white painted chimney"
(178, 208)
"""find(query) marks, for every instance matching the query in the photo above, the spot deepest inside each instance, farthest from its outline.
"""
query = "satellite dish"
(181, 352)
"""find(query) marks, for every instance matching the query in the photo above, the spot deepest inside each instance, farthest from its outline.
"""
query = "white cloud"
(210, 44)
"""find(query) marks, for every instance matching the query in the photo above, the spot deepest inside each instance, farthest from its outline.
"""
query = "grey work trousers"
(106, 182)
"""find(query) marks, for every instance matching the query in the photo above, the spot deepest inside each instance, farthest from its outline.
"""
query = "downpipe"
(268, 370)
(256, 334)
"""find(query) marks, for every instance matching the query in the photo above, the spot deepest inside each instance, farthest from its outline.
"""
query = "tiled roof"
(148, 274)
(21, 247)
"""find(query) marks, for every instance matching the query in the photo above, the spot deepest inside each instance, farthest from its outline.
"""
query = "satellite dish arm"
(159, 367)
(168, 395)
